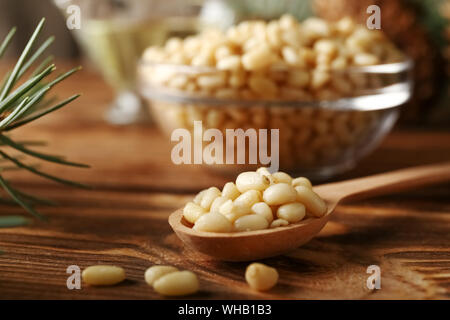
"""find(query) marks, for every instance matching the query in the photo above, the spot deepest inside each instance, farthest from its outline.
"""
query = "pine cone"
(399, 20)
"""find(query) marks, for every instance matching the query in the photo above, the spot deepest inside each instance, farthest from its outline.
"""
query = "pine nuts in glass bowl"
(257, 200)
(332, 89)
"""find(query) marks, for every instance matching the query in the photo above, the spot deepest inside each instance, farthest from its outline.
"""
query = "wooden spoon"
(251, 245)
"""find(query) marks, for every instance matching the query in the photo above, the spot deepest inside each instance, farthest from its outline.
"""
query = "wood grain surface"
(123, 220)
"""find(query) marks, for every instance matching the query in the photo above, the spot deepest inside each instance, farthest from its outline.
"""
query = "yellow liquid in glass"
(116, 46)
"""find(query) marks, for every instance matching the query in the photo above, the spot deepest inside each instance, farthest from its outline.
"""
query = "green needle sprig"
(21, 104)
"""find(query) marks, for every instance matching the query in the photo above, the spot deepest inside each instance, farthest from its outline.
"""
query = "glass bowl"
(324, 129)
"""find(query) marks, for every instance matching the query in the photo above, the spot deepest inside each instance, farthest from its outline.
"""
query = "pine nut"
(223, 52)
(237, 80)
(198, 198)
(251, 222)
(274, 34)
(258, 58)
(262, 86)
(233, 212)
(214, 119)
(173, 45)
(261, 277)
(316, 27)
(292, 57)
(155, 272)
(292, 212)
(202, 60)
(319, 79)
(229, 63)
(209, 196)
(365, 59)
(238, 115)
(301, 181)
(265, 172)
(230, 191)
(279, 223)
(345, 25)
(192, 211)
(213, 222)
(251, 181)
(263, 209)
(179, 82)
(103, 275)
(325, 46)
(217, 203)
(248, 199)
(298, 78)
(227, 207)
(282, 177)
(226, 93)
(280, 193)
(211, 81)
(311, 200)
(339, 63)
(179, 283)
(292, 38)
(287, 22)
(250, 44)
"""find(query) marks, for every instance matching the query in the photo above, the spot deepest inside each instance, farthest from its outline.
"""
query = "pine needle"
(8, 102)
(22, 104)
(16, 197)
(35, 56)
(42, 174)
(43, 65)
(7, 141)
(13, 221)
(13, 78)
(41, 114)
(6, 42)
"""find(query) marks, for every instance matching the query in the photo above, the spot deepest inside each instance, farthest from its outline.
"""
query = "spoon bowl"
(252, 245)
(247, 245)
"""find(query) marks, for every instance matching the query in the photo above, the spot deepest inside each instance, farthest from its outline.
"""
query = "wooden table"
(123, 221)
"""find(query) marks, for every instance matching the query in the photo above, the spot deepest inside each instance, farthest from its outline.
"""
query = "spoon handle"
(385, 183)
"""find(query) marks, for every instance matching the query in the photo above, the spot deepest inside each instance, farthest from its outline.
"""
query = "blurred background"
(421, 28)
(25, 14)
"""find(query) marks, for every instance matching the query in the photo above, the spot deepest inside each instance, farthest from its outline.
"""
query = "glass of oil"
(114, 33)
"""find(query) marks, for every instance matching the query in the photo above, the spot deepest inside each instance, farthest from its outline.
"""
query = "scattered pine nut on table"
(261, 277)
(169, 281)
(103, 275)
